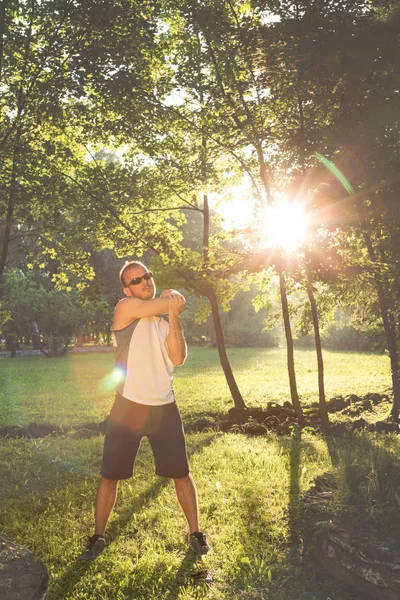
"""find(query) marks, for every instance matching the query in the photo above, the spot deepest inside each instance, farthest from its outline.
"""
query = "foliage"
(37, 77)
(347, 332)
(17, 304)
(344, 337)
(53, 316)
(243, 327)
(57, 317)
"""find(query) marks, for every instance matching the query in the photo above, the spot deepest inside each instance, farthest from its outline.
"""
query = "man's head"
(137, 281)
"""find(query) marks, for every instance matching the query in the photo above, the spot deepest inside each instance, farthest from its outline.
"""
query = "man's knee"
(183, 480)
(109, 483)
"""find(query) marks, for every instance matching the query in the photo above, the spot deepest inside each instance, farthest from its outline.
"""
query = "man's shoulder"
(125, 301)
(126, 304)
(121, 311)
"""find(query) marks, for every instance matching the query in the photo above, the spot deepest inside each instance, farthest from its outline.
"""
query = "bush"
(346, 337)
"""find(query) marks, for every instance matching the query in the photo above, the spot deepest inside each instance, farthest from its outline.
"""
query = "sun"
(285, 226)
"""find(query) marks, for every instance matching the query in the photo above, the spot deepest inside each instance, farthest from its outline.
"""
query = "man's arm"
(176, 343)
(129, 309)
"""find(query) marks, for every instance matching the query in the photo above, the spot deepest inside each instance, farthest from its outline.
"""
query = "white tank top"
(143, 362)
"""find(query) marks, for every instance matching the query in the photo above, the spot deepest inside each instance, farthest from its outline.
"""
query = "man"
(147, 348)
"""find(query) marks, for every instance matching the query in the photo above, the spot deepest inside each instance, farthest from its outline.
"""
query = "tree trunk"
(64, 349)
(392, 349)
(2, 34)
(390, 335)
(223, 357)
(206, 229)
(18, 134)
(10, 206)
(13, 346)
(310, 291)
(309, 287)
(290, 352)
(318, 349)
(263, 172)
(206, 208)
(226, 367)
(284, 303)
(36, 342)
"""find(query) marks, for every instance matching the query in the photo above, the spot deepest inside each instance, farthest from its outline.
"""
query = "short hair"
(127, 265)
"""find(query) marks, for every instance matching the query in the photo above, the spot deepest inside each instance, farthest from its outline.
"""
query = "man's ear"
(127, 291)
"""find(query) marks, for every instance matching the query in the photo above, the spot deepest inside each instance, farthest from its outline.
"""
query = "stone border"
(22, 575)
(353, 556)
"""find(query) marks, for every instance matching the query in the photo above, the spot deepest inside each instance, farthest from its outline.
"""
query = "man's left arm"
(176, 343)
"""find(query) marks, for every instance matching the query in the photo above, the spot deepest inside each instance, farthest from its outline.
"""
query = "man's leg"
(105, 501)
(187, 497)
(169, 449)
(121, 443)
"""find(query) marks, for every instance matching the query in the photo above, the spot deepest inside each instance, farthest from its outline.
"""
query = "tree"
(360, 133)
(47, 52)
(53, 316)
(58, 319)
(16, 292)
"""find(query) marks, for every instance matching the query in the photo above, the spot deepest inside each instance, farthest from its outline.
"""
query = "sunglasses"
(137, 280)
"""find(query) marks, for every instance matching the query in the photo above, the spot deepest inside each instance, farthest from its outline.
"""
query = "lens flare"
(111, 380)
(335, 172)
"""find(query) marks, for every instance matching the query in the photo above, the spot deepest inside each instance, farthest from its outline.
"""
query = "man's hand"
(177, 302)
(175, 341)
(166, 293)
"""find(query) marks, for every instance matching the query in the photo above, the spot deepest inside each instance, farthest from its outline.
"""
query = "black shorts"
(127, 423)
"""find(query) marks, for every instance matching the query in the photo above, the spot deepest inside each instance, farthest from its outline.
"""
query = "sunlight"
(236, 207)
(285, 225)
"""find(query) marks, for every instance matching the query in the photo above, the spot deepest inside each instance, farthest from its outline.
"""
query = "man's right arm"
(129, 309)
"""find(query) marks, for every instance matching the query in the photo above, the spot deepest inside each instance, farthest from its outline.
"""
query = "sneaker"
(198, 543)
(95, 546)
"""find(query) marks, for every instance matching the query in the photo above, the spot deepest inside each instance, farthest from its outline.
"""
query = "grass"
(76, 389)
(248, 486)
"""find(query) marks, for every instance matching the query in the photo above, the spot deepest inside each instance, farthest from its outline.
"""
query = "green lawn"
(76, 389)
(246, 484)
